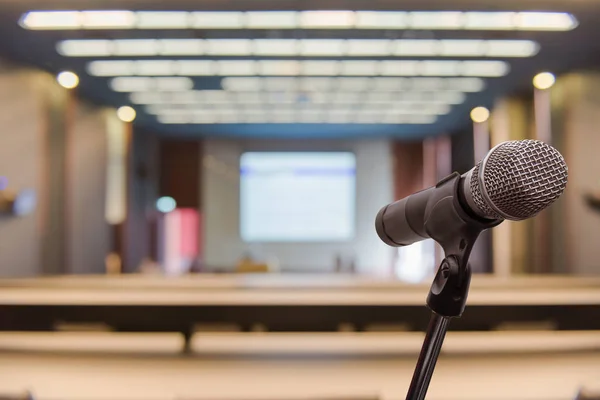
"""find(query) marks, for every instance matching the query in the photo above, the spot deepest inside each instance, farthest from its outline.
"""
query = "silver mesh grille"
(521, 178)
(478, 196)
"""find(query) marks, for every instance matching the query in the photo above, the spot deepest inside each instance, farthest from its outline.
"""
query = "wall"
(89, 236)
(576, 100)
(220, 197)
(21, 150)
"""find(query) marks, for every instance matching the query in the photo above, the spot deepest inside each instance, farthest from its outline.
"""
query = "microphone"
(515, 181)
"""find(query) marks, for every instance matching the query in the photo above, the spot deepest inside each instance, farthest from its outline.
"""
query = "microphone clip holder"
(447, 222)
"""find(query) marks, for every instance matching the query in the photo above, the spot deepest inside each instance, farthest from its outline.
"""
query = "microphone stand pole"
(456, 231)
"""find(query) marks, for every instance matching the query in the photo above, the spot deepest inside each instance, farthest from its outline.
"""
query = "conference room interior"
(188, 193)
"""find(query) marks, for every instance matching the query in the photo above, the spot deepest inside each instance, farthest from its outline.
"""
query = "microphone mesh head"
(520, 178)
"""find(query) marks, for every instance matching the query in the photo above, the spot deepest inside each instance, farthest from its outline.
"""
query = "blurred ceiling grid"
(405, 72)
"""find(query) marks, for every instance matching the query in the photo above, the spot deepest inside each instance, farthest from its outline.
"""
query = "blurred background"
(188, 192)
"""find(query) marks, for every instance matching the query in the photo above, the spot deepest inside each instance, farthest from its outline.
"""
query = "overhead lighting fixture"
(368, 47)
(107, 19)
(218, 20)
(241, 84)
(279, 67)
(381, 20)
(359, 68)
(236, 67)
(480, 114)
(389, 20)
(126, 114)
(111, 68)
(326, 19)
(135, 47)
(156, 67)
(228, 47)
(67, 79)
(490, 69)
(317, 68)
(435, 20)
(483, 68)
(542, 21)
(305, 47)
(180, 47)
(143, 84)
(322, 47)
(197, 67)
(47, 20)
(544, 80)
(85, 48)
(271, 19)
(275, 47)
(163, 20)
(476, 20)
(511, 48)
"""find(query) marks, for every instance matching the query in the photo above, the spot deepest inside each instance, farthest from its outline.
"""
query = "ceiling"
(345, 87)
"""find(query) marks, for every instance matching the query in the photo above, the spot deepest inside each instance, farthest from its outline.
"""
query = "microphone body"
(516, 180)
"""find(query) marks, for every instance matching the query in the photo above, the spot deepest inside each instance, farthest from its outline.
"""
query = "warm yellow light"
(480, 114)
(67, 79)
(126, 114)
(544, 80)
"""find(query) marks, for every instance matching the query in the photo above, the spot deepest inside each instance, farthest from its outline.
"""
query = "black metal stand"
(436, 332)
(456, 231)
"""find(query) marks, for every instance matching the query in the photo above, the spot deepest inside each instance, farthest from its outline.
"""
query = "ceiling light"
(84, 48)
(489, 20)
(410, 119)
(156, 67)
(241, 84)
(326, 19)
(484, 68)
(462, 48)
(275, 47)
(347, 97)
(135, 47)
(173, 84)
(480, 114)
(381, 20)
(197, 67)
(126, 114)
(51, 20)
(436, 20)
(163, 19)
(368, 47)
(228, 47)
(353, 84)
(544, 80)
(279, 67)
(67, 79)
(146, 98)
(411, 47)
(317, 68)
(322, 47)
(399, 68)
(271, 19)
(388, 84)
(359, 68)
(439, 68)
(132, 84)
(540, 21)
(249, 97)
(218, 20)
(316, 84)
(111, 68)
(511, 48)
(107, 19)
(470, 85)
(180, 47)
(236, 67)
(279, 84)
(172, 119)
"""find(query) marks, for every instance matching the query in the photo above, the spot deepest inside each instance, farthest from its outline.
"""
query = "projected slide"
(297, 197)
